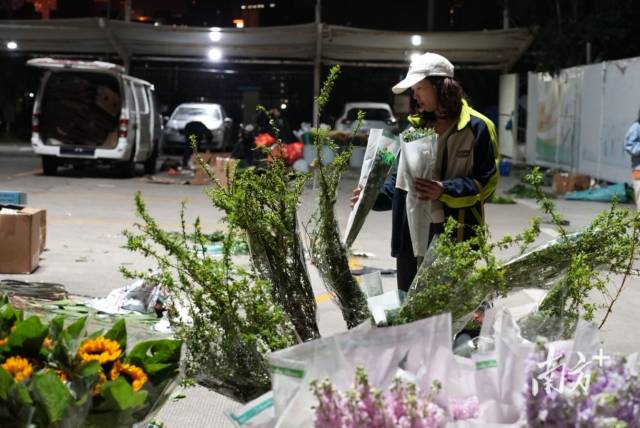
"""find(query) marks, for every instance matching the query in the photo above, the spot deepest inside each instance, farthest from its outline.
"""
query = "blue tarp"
(602, 194)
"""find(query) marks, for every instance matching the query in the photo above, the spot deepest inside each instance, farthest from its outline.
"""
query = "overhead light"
(215, 35)
(283, 106)
(12, 45)
(31, 95)
(416, 40)
(239, 23)
(215, 54)
(414, 56)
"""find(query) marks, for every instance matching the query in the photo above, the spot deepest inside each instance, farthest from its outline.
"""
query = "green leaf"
(77, 328)
(118, 333)
(28, 336)
(120, 396)
(158, 358)
(89, 373)
(19, 394)
(155, 351)
(6, 381)
(50, 393)
(56, 326)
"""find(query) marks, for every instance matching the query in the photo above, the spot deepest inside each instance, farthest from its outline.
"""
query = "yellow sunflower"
(98, 386)
(100, 349)
(19, 368)
(62, 375)
(48, 343)
(134, 374)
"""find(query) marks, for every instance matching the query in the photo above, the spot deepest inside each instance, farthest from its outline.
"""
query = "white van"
(92, 112)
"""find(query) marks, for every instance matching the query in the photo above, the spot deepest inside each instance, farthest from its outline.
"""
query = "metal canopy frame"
(300, 44)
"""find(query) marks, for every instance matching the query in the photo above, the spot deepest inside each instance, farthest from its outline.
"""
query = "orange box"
(22, 238)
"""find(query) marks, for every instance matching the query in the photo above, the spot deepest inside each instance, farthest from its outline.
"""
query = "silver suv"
(210, 115)
(377, 115)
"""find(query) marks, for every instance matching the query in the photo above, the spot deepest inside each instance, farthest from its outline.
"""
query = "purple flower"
(365, 407)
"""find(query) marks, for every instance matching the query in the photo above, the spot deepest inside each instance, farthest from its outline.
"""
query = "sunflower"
(19, 368)
(100, 349)
(134, 374)
(97, 389)
(48, 343)
(62, 375)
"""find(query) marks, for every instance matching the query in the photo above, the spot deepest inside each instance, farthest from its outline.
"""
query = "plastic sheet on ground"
(600, 194)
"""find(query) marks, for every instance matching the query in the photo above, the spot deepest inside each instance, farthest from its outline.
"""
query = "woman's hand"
(428, 190)
(355, 195)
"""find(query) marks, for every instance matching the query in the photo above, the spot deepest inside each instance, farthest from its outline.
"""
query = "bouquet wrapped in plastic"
(52, 374)
(417, 160)
(382, 150)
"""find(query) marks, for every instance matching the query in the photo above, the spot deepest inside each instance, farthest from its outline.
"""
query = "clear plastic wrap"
(381, 153)
(417, 160)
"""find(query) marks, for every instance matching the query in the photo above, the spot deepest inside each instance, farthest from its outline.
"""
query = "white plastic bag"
(422, 348)
(258, 413)
(417, 160)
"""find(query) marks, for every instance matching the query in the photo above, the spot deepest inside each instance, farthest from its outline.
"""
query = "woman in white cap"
(466, 172)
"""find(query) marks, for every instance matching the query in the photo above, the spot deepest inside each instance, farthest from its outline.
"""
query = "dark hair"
(450, 96)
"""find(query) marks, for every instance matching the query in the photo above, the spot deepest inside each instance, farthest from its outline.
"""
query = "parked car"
(211, 115)
(377, 115)
(93, 112)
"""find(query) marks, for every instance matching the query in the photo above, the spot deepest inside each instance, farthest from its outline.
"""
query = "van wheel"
(49, 165)
(150, 164)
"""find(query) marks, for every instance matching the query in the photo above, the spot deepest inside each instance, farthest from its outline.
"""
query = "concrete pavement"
(87, 210)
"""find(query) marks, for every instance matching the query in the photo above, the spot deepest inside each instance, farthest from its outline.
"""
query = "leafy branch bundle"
(229, 321)
(463, 274)
(263, 203)
(327, 250)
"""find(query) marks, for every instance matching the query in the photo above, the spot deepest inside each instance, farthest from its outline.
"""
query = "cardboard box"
(201, 177)
(22, 238)
(564, 182)
(218, 163)
(224, 168)
(108, 100)
(13, 197)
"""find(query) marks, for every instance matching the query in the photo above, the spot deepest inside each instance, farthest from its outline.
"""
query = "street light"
(215, 35)
(416, 40)
(215, 54)
(12, 45)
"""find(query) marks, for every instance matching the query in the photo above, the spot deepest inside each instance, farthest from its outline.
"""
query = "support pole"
(127, 10)
(317, 64)
(431, 17)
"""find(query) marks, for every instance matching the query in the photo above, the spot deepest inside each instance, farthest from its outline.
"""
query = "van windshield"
(185, 113)
(369, 113)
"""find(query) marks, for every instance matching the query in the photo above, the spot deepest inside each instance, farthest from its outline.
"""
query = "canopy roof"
(496, 49)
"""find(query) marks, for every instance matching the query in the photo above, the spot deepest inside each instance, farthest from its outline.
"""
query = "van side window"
(130, 101)
(141, 97)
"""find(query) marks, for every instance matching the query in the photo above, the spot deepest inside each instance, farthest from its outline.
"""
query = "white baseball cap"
(425, 65)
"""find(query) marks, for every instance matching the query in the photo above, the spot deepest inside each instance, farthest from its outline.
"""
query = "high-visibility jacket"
(467, 166)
